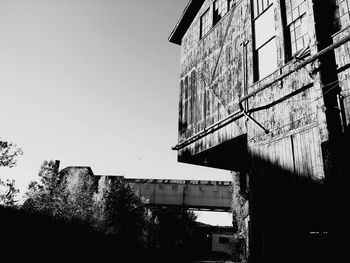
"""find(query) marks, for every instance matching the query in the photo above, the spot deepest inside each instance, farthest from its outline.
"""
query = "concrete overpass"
(190, 194)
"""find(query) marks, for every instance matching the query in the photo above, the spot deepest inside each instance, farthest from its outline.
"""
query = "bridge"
(190, 194)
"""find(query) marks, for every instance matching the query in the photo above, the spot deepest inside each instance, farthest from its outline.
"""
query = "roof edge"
(185, 21)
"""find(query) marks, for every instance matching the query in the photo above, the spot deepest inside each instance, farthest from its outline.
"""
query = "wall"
(224, 247)
(289, 166)
(199, 107)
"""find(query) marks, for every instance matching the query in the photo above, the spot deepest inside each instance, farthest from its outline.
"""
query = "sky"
(94, 83)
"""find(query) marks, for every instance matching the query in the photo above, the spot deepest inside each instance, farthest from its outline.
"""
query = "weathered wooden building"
(264, 92)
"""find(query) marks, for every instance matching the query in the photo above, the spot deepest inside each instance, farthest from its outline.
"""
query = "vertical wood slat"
(311, 153)
(297, 154)
(306, 155)
(318, 155)
(309, 143)
(305, 159)
(194, 120)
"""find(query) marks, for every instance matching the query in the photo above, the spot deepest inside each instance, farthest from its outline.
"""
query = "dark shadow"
(289, 215)
(39, 238)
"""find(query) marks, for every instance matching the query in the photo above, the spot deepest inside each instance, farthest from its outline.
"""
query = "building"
(208, 242)
(264, 93)
(222, 243)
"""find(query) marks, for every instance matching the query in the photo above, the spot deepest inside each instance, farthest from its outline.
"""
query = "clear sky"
(93, 83)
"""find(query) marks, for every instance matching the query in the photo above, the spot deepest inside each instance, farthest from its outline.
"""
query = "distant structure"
(188, 194)
(264, 93)
(212, 242)
(222, 242)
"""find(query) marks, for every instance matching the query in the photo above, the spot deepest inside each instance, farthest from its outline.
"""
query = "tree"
(44, 196)
(8, 154)
(73, 195)
(60, 196)
(8, 193)
(173, 227)
(123, 213)
(8, 158)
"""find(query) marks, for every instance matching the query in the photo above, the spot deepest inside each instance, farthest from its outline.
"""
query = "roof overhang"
(185, 21)
(230, 155)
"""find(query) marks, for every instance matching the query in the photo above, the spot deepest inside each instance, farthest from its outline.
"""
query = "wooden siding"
(287, 107)
(342, 55)
(290, 167)
(297, 153)
(200, 107)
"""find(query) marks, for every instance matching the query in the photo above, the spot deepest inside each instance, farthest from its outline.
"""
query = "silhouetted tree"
(113, 209)
(173, 227)
(8, 193)
(123, 213)
(8, 158)
(8, 154)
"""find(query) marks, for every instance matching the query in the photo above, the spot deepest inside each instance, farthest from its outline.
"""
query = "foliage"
(172, 229)
(8, 154)
(113, 208)
(8, 158)
(123, 213)
(110, 206)
(43, 196)
(60, 198)
(8, 193)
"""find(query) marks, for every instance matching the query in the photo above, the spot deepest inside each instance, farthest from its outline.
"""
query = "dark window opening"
(341, 14)
(224, 240)
(220, 9)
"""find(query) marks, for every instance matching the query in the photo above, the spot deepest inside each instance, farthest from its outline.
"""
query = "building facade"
(264, 93)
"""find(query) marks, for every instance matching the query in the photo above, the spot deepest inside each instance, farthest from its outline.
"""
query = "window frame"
(340, 20)
(205, 15)
(259, 9)
(212, 17)
(291, 36)
(217, 5)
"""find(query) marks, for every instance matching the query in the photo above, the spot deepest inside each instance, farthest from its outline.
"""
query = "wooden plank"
(318, 155)
(313, 153)
(298, 155)
(308, 141)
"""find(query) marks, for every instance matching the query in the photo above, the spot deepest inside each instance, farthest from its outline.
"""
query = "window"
(205, 23)
(224, 240)
(341, 15)
(296, 25)
(265, 40)
(220, 9)
(260, 6)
